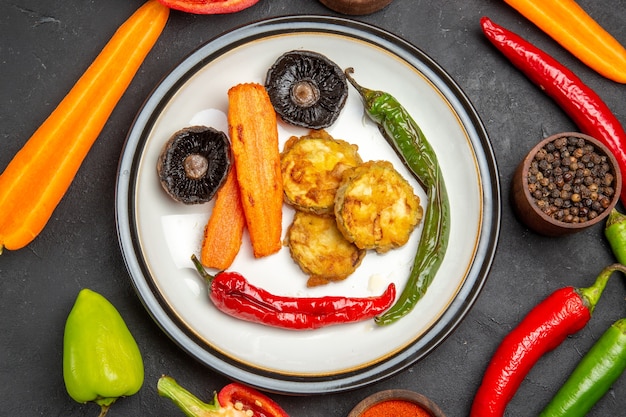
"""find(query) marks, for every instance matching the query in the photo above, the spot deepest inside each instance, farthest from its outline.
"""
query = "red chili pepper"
(563, 313)
(234, 295)
(579, 101)
(241, 397)
(233, 400)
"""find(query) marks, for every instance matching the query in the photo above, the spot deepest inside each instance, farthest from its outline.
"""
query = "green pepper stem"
(203, 273)
(104, 409)
(192, 406)
(592, 294)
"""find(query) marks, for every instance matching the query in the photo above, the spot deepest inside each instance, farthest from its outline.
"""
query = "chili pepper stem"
(368, 96)
(348, 71)
(188, 403)
(615, 233)
(203, 273)
(592, 294)
(614, 218)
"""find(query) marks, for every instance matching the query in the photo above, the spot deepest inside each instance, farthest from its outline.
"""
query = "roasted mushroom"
(194, 163)
(307, 89)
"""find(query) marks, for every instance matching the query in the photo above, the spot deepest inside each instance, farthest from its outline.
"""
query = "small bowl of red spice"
(396, 403)
(566, 183)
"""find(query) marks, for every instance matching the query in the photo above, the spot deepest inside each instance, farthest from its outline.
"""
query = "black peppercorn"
(570, 180)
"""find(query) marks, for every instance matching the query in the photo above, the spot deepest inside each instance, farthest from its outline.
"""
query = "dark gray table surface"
(45, 47)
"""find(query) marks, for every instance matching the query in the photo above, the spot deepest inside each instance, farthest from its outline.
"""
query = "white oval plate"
(158, 236)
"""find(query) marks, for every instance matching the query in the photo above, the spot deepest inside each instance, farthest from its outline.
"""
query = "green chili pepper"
(408, 140)
(615, 232)
(593, 376)
(101, 360)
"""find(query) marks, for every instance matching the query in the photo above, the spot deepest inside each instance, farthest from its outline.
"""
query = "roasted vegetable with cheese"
(376, 208)
(312, 167)
(320, 249)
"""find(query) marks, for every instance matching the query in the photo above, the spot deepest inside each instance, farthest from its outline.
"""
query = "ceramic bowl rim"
(397, 394)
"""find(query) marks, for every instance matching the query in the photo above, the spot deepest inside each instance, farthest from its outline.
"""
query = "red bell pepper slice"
(242, 397)
(234, 400)
(208, 6)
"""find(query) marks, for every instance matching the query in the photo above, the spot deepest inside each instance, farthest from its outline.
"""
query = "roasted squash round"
(312, 167)
(376, 208)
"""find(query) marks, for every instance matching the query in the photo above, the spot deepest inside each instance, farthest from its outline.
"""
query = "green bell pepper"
(101, 360)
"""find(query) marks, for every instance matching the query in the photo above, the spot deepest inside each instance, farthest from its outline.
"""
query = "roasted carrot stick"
(39, 175)
(254, 138)
(568, 24)
(224, 231)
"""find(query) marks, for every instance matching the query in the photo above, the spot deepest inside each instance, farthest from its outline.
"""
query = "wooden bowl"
(355, 7)
(524, 204)
(397, 394)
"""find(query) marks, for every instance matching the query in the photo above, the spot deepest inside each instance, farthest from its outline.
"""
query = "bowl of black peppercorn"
(566, 183)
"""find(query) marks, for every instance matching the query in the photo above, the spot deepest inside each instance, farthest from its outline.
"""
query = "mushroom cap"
(194, 163)
(307, 89)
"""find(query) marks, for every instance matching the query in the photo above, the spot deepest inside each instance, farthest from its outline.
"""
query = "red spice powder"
(396, 408)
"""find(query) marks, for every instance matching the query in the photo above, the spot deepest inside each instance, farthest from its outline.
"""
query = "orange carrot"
(37, 178)
(224, 231)
(568, 24)
(254, 138)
